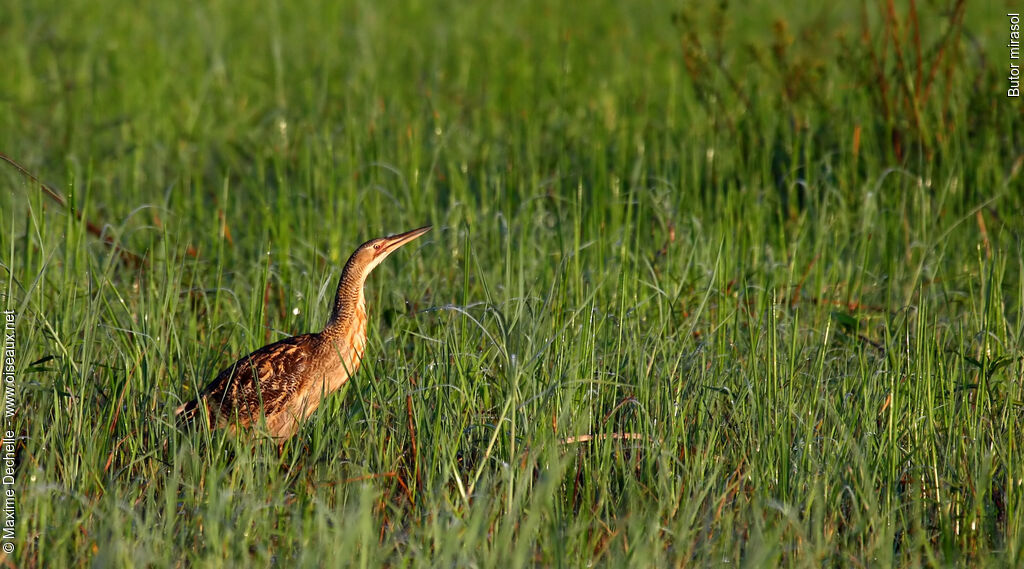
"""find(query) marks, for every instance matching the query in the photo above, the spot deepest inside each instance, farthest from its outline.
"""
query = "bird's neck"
(349, 310)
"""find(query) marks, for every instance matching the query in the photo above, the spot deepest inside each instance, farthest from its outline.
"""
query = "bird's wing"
(261, 382)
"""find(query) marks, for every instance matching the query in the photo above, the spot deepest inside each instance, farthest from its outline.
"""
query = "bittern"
(286, 381)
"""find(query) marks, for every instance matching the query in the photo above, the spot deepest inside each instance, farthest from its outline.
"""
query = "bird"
(285, 382)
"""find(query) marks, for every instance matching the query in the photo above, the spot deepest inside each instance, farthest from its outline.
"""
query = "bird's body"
(287, 380)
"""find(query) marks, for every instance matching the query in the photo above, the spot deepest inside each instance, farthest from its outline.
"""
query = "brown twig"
(984, 234)
(872, 343)
(120, 399)
(796, 290)
(391, 474)
(600, 437)
(127, 257)
(413, 449)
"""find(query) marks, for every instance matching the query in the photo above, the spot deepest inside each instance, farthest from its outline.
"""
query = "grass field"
(768, 258)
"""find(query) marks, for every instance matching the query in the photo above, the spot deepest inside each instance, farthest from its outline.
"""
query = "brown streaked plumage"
(286, 381)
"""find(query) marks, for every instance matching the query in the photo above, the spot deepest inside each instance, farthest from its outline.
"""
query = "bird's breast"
(346, 351)
(358, 337)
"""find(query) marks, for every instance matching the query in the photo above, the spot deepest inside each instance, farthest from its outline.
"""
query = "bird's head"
(374, 251)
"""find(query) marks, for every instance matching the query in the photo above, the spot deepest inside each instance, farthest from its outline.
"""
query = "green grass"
(768, 243)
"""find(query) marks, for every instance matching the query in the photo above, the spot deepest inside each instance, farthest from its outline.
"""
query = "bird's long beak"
(393, 242)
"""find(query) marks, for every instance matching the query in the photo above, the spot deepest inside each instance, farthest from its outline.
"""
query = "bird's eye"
(376, 246)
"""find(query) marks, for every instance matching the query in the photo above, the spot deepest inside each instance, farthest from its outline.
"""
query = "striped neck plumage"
(349, 304)
(349, 301)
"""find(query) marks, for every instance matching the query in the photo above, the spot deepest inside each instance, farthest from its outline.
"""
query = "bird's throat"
(348, 314)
